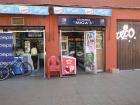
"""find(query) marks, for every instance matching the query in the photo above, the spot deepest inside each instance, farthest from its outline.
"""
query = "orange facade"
(52, 43)
(111, 42)
(50, 23)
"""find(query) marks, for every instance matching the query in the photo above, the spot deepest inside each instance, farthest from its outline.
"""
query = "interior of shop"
(24, 39)
(23, 42)
(73, 45)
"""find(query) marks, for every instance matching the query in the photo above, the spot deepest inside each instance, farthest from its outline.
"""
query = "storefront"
(76, 30)
(75, 41)
(27, 26)
(65, 30)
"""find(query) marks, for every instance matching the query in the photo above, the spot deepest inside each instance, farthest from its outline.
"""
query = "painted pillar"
(110, 45)
(52, 36)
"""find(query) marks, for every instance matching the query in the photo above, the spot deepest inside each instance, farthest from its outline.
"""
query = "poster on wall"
(6, 48)
(90, 52)
(69, 65)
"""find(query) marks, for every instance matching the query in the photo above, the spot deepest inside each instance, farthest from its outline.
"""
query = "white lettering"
(125, 33)
(6, 54)
(5, 63)
(6, 37)
(5, 45)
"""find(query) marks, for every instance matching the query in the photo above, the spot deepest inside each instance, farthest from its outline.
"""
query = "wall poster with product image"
(90, 52)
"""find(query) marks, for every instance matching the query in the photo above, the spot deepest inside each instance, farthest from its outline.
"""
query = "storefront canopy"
(20, 9)
(82, 11)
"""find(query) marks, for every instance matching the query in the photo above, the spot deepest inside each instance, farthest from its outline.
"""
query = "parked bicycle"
(9, 69)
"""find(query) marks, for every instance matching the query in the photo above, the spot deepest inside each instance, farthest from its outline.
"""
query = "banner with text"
(6, 45)
(81, 21)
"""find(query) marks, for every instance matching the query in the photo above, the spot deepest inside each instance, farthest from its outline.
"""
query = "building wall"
(52, 33)
(52, 39)
(110, 36)
(111, 42)
(30, 20)
(79, 3)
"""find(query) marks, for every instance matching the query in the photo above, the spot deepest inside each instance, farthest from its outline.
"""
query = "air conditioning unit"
(17, 20)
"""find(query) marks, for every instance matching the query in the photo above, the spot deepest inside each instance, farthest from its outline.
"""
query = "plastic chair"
(53, 66)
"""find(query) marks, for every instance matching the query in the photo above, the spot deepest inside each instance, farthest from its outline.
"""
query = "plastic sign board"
(23, 9)
(79, 21)
(82, 11)
(6, 47)
(68, 65)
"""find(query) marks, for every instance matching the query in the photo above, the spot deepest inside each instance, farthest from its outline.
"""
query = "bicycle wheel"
(26, 68)
(4, 73)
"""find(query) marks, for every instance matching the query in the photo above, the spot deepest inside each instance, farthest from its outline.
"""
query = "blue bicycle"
(8, 69)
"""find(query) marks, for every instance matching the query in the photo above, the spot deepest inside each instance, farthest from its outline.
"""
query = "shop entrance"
(24, 40)
(74, 43)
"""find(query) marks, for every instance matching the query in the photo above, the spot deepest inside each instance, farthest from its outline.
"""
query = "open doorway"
(23, 42)
(74, 43)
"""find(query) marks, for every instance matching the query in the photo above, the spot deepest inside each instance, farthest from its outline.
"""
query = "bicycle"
(8, 69)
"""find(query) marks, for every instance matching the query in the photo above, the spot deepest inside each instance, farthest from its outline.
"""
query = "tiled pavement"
(84, 89)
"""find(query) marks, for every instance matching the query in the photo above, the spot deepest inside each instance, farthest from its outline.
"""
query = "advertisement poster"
(90, 52)
(69, 65)
(6, 47)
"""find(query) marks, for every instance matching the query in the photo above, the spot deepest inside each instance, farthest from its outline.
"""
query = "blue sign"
(75, 21)
(6, 45)
(21, 9)
(82, 11)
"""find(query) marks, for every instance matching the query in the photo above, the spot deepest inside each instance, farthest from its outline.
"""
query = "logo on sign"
(102, 21)
(6, 45)
(6, 37)
(5, 54)
(58, 10)
(24, 9)
(89, 11)
(64, 20)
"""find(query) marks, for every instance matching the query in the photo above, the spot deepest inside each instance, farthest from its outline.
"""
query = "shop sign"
(20, 9)
(90, 52)
(126, 33)
(69, 65)
(82, 11)
(74, 21)
(6, 44)
(34, 35)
